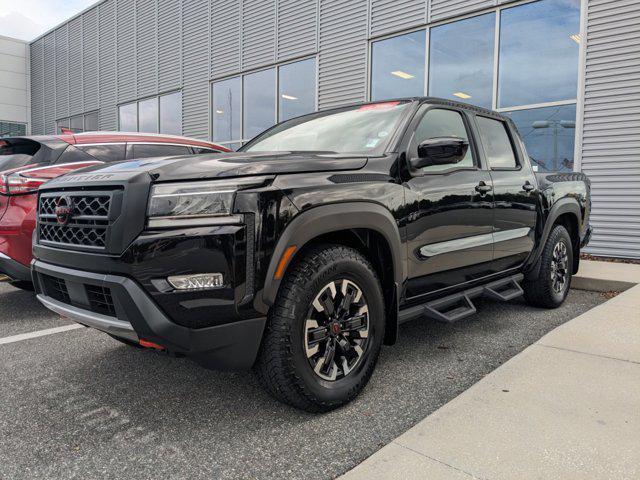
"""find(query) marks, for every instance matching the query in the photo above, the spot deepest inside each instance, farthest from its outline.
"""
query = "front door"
(450, 221)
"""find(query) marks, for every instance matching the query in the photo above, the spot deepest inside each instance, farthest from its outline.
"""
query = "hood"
(211, 166)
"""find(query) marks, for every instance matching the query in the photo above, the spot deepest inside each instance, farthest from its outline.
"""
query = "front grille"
(86, 225)
(100, 300)
(56, 288)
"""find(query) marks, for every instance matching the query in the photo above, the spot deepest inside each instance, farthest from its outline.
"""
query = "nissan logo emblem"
(64, 209)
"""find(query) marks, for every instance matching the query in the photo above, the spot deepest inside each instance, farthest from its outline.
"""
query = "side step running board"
(459, 305)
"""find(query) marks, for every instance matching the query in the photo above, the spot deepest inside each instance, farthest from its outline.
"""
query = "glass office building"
(566, 71)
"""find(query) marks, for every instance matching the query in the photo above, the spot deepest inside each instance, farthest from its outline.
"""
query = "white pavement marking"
(39, 333)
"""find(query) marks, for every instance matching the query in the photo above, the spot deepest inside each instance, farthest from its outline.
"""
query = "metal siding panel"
(75, 66)
(225, 37)
(146, 48)
(37, 87)
(393, 15)
(441, 9)
(258, 33)
(343, 52)
(107, 66)
(126, 51)
(169, 45)
(90, 59)
(195, 90)
(297, 28)
(50, 84)
(610, 147)
(62, 72)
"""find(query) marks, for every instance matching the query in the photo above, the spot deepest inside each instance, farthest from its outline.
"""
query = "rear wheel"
(551, 287)
(324, 332)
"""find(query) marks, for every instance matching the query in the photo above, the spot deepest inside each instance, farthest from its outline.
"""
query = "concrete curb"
(606, 276)
(566, 407)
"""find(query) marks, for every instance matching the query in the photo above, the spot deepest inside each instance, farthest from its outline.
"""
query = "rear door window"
(497, 144)
(158, 150)
(105, 153)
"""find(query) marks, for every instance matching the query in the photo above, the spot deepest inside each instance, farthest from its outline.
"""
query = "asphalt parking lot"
(79, 404)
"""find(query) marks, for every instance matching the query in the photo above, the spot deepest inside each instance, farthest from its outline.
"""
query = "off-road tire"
(282, 366)
(539, 292)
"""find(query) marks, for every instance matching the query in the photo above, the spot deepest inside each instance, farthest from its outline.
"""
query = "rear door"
(450, 221)
(514, 190)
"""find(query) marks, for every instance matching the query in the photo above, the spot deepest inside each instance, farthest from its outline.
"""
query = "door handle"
(527, 187)
(483, 188)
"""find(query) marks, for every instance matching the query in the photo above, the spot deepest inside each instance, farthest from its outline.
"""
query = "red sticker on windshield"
(379, 106)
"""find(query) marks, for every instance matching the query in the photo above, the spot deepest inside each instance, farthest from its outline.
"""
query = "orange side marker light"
(284, 261)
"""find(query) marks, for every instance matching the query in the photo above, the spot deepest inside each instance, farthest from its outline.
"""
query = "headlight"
(195, 203)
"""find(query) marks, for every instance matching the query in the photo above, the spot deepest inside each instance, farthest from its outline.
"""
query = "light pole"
(556, 125)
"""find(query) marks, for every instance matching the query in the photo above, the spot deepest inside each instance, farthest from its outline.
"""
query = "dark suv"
(302, 253)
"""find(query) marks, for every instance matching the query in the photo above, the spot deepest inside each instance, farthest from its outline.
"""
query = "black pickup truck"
(301, 254)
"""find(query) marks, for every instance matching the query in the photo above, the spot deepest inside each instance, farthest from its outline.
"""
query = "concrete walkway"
(568, 407)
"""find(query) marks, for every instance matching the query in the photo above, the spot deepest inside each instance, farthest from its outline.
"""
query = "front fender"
(324, 219)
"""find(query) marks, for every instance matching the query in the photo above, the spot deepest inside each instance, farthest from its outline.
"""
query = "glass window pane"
(397, 66)
(297, 94)
(549, 135)
(105, 153)
(171, 114)
(226, 110)
(77, 124)
(128, 115)
(62, 123)
(539, 45)
(461, 60)
(496, 143)
(442, 123)
(259, 102)
(148, 116)
(91, 122)
(158, 150)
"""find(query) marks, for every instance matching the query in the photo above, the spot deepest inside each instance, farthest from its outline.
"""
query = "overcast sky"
(27, 19)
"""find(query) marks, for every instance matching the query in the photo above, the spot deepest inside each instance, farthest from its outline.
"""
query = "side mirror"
(440, 151)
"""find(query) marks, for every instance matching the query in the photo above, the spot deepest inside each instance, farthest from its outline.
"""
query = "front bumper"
(13, 269)
(119, 306)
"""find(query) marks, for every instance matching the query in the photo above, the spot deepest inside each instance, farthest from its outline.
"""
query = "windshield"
(362, 129)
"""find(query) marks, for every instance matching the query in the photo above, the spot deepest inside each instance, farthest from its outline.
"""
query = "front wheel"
(324, 331)
(551, 287)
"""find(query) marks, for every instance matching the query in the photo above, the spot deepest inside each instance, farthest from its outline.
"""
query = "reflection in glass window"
(442, 123)
(397, 66)
(496, 143)
(259, 102)
(461, 60)
(77, 124)
(297, 95)
(148, 116)
(227, 113)
(62, 123)
(539, 44)
(128, 117)
(91, 122)
(171, 114)
(549, 135)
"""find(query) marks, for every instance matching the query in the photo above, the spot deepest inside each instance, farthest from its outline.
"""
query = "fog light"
(196, 282)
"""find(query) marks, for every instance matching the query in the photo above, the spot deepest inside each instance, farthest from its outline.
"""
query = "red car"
(28, 162)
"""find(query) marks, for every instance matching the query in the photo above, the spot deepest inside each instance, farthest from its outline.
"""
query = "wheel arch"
(365, 226)
(565, 212)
